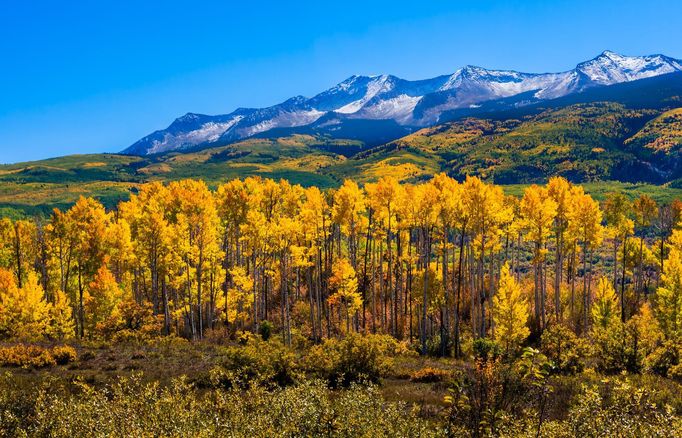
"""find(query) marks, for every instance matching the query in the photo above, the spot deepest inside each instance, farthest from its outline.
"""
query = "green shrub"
(675, 372)
(618, 409)
(616, 349)
(259, 361)
(663, 359)
(486, 349)
(133, 322)
(567, 351)
(217, 378)
(134, 408)
(355, 358)
(265, 330)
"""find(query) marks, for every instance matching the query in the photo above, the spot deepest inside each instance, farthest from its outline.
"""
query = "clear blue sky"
(94, 76)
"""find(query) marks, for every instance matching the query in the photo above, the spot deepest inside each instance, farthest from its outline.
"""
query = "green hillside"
(605, 144)
(583, 142)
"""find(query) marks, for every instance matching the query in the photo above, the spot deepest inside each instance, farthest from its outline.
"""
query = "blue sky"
(95, 76)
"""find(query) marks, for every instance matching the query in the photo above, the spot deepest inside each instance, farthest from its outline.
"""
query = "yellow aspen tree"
(383, 198)
(287, 231)
(619, 226)
(374, 247)
(60, 248)
(232, 203)
(559, 189)
(349, 206)
(605, 306)
(6, 231)
(585, 225)
(101, 299)
(61, 325)
(645, 210)
(120, 249)
(240, 297)
(24, 312)
(407, 219)
(344, 283)
(8, 296)
(312, 213)
(24, 250)
(153, 243)
(647, 329)
(488, 212)
(198, 223)
(90, 223)
(538, 211)
(449, 201)
(669, 297)
(510, 312)
(461, 215)
(427, 211)
(255, 241)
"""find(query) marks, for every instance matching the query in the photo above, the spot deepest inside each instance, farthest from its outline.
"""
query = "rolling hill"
(627, 135)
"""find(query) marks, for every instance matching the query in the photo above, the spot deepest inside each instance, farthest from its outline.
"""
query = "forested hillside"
(489, 314)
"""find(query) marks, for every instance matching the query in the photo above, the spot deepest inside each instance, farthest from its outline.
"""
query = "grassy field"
(38, 196)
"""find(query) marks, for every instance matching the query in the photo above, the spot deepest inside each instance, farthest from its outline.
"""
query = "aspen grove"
(438, 263)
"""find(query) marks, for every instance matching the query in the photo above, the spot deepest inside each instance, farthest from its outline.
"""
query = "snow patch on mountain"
(378, 84)
(611, 68)
(283, 120)
(411, 104)
(207, 132)
(398, 108)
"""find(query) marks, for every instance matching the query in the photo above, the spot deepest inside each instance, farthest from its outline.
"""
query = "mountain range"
(375, 110)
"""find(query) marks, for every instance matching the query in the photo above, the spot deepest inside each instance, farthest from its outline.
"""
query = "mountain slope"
(663, 135)
(399, 106)
(628, 133)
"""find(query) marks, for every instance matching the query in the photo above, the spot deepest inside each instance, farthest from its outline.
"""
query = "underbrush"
(430, 375)
(35, 356)
(132, 408)
(353, 359)
(338, 362)
(356, 386)
(254, 362)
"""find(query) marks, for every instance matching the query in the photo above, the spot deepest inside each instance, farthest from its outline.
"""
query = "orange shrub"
(64, 354)
(430, 375)
(26, 356)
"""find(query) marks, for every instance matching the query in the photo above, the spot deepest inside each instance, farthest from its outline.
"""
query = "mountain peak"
(611, 54)
(188, 117)
(612, 68)
(406, 104)
(473, 68)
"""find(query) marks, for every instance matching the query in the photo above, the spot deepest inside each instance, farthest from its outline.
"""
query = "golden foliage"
(510, 312)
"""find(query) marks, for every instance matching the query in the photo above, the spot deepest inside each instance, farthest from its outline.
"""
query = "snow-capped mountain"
(408, 104)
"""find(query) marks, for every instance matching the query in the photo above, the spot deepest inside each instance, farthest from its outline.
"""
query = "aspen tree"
(510, 312)
(645, 211)
(619, 226)
(344, 283)
(538, 211)
(585, 223)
